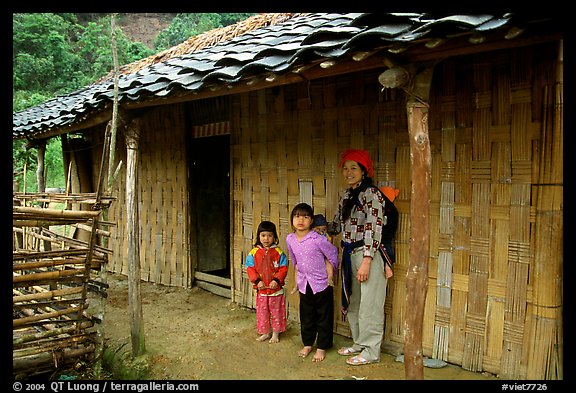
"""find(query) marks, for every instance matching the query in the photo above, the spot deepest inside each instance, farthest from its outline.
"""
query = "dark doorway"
(210, 202)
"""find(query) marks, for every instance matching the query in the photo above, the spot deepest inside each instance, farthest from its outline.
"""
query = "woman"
(359, 217)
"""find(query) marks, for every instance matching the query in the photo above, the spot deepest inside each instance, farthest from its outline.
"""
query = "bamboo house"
(461, 113)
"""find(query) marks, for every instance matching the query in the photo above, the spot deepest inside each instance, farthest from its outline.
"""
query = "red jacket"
(267, 265)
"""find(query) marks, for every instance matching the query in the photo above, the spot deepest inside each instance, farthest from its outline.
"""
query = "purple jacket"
(308, 255)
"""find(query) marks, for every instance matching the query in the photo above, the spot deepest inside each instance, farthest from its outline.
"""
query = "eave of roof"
(283, 48)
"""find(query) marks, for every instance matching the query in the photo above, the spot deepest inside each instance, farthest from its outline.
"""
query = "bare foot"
(319, 355)
(264, 337)
(304, 352)
(275, 337)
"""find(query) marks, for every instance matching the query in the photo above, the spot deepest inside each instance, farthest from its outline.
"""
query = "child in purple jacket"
(308, 250)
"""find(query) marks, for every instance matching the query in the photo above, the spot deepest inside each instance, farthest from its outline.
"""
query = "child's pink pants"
(270, 313)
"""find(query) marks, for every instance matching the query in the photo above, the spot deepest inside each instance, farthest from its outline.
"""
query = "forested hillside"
(58, 53)
(145, 27)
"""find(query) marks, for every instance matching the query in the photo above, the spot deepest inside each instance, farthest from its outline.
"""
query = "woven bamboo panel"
(163, 206)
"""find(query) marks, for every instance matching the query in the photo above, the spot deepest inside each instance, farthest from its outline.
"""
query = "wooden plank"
(210, 278)
(215, 289)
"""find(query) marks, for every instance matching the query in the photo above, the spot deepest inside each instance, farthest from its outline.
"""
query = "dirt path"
(192, 334)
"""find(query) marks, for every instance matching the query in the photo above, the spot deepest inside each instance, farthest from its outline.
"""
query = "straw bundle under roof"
(206, 39)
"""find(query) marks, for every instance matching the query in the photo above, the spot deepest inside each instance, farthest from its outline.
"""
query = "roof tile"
(281, 42)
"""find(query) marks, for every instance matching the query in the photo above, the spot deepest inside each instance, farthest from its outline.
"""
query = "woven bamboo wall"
(163, 200)
(495, 269)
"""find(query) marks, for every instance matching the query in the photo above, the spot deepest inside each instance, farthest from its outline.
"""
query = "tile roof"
(296, 40)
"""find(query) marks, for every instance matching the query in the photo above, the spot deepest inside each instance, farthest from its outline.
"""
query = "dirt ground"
(192, 334)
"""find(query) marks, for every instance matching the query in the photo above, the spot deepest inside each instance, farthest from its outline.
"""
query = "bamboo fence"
(56, 288)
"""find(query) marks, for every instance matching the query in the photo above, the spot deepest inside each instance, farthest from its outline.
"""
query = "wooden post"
(133, 239)
(417, 274)
(65, 159)
(109, 151)
(114, 121)
(40, 175)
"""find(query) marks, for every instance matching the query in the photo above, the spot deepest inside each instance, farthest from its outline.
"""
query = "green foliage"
(184, 26)
(95, 46)
(43, 52)
(53, 165)
(53, 54)
(231, 18)
(58, 53)
(22, 99)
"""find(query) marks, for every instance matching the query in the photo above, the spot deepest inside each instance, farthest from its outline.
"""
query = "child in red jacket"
(267, 266)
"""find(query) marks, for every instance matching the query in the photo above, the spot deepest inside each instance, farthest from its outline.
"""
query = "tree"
(43, 55)
(53, 166)
(96, 48)
(58, 53)
(184, 26)
(52, 55)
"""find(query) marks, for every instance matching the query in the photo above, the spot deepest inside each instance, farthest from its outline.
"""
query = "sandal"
(348, 351)
(359, 361)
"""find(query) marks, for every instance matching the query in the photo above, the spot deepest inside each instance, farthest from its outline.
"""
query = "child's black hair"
(266, 226)
(318, 221)
(301, 209)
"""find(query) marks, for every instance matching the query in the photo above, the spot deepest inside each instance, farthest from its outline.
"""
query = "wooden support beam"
(133, 239)
(417, 274)
(40, 172)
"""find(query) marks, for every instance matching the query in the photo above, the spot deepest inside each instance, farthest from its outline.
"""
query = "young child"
(267, 266)
(319, 225)
(307, 250)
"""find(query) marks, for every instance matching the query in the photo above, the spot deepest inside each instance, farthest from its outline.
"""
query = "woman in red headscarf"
(360, 216)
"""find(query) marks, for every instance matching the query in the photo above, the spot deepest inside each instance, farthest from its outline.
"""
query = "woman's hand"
(388, 271)
(364, 269)
(273, 284)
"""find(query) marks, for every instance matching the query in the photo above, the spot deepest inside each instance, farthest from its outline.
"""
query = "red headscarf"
(361, 157)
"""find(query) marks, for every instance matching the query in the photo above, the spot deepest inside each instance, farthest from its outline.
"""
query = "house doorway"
(210, 211)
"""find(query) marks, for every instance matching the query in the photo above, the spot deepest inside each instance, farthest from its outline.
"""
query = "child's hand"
(273, 284)
(261, 285)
